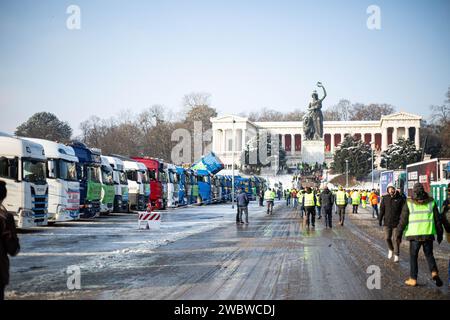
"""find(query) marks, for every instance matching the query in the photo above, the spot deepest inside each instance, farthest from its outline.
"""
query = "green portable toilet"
(439, 192)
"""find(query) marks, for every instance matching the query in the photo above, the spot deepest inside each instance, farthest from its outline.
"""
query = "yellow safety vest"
(340, 198)
(269, 195)
(421, 219)
(309, 200)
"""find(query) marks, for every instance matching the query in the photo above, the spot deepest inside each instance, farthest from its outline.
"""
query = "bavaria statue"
(313, 119)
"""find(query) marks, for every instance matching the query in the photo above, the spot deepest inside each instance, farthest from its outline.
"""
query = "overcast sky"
(247, 54)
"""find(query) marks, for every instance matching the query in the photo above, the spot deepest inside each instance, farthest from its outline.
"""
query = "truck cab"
(172, 185)
(135, 186)
(63, 185)
(108, 190)
(143, 171)
(23, 168)
(204, 186)
(89, 177)
(120, 184)
(157, 178)
(182, 186)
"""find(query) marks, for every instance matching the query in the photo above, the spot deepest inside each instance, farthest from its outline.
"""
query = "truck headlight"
(26, 213)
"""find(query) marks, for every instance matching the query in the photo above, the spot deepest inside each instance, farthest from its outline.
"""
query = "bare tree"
(373, 111)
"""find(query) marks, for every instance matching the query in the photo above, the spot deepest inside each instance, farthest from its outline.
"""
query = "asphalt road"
(206, 255)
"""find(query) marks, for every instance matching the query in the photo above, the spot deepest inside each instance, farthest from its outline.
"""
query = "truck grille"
(39, 203)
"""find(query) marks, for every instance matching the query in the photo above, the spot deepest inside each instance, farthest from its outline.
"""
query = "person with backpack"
(326, 198)
(9, 244)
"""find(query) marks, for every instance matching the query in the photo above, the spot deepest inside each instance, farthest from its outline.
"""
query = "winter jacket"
(373, 198)
(405, 219)
(445, 217)
(9, 244)
(391, 210)
(326, 198)
(242, 199)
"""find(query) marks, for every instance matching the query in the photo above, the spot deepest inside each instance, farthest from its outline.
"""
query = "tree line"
(149, 132)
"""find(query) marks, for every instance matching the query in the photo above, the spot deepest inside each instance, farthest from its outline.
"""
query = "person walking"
(288, 198)
(261, 197)
(355, 201)
(309, 202)
(301, 195)
(445, 217)
(9, 243)
(318, 204)
(421, 222)
(242, 203)
(390, 212)
(269, 196)
(364, 198)
(326, 199)
(373, 199)
(341, 203)
(294, 197)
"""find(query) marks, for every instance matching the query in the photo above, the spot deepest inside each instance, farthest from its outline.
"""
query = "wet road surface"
(273, 257)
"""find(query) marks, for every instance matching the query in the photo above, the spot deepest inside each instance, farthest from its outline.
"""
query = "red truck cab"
(155, 169)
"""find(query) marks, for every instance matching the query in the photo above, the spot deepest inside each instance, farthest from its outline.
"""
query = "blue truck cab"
(88, 174)
(204, 186)
(182, 186)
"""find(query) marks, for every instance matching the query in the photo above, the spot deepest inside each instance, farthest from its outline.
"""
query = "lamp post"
(371, 147)
(232, 175)
(346, 173)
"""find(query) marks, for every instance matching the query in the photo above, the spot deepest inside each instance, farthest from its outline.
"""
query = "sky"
(248, 54)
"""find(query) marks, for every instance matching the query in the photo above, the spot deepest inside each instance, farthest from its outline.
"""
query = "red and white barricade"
(149, 220)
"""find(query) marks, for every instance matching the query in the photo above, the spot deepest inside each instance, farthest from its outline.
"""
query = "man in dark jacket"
(421, 222)
(326, 202)
(445, 216)
(390, 212)
(9, 243)
(242, 203)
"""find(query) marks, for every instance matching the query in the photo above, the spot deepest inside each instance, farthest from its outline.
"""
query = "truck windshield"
(152, 174)
(144, 177)
(107, 176)
(162, 177)
(34, 171)
(122, 177)
(204, 179)
(93, 173)
(67, 170)
(132, 175)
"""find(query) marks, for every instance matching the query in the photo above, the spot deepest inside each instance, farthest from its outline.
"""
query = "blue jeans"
(374, 210)
(414, 248)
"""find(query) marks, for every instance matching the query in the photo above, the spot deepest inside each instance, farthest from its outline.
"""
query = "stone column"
(394, 135)
(417, 138)
(384, 139)
(332, 143)
(224, 140)
(283, 142)
(292, 144)
(243, 139)
(372, 139)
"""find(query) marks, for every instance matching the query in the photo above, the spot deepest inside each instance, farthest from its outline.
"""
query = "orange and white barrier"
(149, 220)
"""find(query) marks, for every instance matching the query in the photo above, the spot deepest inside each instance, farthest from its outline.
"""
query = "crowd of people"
(416, 218)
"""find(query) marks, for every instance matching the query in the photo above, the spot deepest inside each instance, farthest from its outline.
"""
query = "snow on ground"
(107, 242)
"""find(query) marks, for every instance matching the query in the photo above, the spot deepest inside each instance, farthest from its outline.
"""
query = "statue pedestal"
(313, 151)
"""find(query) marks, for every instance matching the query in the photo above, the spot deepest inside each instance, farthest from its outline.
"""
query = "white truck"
(23, 168)
(135, 186)
(120, 184)
(108, 189)
(63, 185)
(172, 185)
(145, 179)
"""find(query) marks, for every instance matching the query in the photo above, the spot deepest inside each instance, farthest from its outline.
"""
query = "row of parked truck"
(50, 182)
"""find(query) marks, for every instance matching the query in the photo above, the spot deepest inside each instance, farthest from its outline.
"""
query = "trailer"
(426, 172)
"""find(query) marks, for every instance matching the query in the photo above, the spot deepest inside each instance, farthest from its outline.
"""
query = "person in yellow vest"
(355, 201)
(309, 203)
(318, 207)
(341, 203)
(269, 196)
(420, 222)
(300, 195)
(364, 199)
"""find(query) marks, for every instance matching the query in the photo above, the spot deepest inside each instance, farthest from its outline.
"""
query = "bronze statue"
(313, 119)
